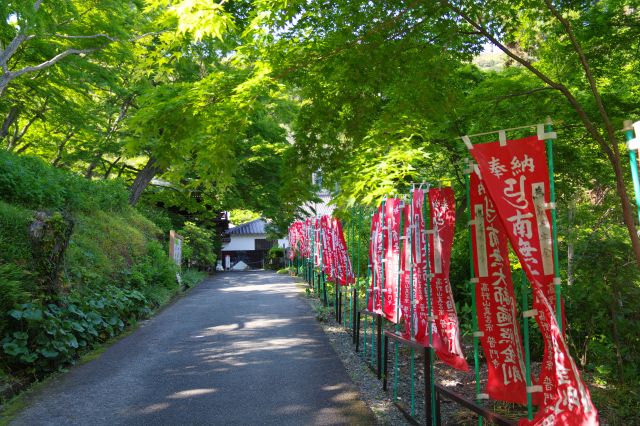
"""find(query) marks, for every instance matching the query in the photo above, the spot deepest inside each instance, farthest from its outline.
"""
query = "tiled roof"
(250, 228)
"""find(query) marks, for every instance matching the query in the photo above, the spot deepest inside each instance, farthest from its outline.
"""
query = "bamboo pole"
(554, 224)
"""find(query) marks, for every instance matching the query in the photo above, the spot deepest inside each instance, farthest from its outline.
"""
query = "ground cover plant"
(115, 269)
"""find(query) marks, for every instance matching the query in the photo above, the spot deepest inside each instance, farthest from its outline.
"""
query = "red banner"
(295, 235)
(517, 179)
(305, 238)
(344, 271)
(393, 207)
(416, 242)
(317, 242)
(566, 402)
(496, 304)
(375, 260)
(406, 276)
(446, 341)
(325, 238)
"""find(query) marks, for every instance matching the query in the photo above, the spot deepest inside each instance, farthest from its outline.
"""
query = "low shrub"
(275, 258)
(13, 284)
(14, 226)
(199, 250)
(155, 275)
(46, 337)
(191, 277)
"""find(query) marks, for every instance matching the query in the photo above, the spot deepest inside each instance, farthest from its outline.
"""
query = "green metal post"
(525, 328)
(554, 225)
(472, 284)
(633, 163)
(429, 314)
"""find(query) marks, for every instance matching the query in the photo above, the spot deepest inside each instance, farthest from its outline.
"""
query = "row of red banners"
(510, 204)
(403, 278)
(323, 239)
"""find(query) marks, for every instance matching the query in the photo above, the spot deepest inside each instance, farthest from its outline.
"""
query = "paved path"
(240, 349)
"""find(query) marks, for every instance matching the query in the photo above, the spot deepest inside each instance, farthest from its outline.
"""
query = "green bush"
(14, 227)
(192, 277)
(13, 290)
(158, 216)
(155, 275)
(275, 258)
(104, 246)
(45, 337)
(31, 183)
(200, 247)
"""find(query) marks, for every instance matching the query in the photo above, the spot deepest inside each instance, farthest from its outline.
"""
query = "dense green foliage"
(232, 105)
(201, 248)
(115, 270)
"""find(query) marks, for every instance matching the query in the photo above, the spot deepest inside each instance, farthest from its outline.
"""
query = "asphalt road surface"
(241, 349)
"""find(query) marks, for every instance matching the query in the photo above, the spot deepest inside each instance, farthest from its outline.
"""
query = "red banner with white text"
(446, 341)
(345, 271)
(317, 241)
(393, 207)
(496, 304)
(416, 242)
(325, 235)
(375, 260)
(567, 402)
(295, 232)
(516, 178)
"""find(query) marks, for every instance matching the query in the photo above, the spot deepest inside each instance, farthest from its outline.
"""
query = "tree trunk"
(110, 168)
(50, 235)
(89, 173)
(143, 178)
(628, 214)
(11, 117)
(60, 151)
